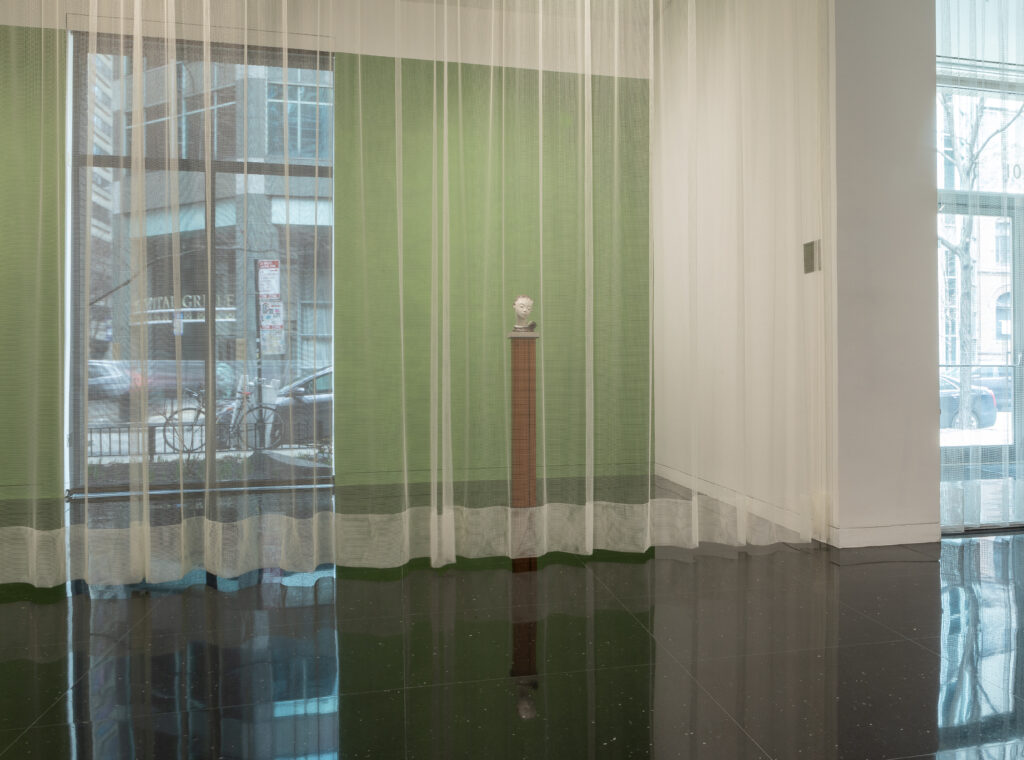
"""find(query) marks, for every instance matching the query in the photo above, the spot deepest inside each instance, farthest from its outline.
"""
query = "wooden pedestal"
(524, 418)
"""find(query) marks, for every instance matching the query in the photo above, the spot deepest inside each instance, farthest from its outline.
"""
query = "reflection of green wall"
(497, 219)
(32, 75)
(595, 680)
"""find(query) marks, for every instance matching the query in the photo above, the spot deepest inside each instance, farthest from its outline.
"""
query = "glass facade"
(165, 288)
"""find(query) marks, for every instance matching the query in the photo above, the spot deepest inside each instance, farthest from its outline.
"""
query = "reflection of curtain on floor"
(321, 665)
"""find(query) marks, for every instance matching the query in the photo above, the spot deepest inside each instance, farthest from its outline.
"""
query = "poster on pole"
(270, 307)
(271, 315)
(272, 342)
(268, 280)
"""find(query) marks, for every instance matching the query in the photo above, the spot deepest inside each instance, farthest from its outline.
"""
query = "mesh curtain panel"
(490, 152)
(32, 72)
(296, 233)
(201, 289)
(649, 172)
(979, 144)
(742, 182)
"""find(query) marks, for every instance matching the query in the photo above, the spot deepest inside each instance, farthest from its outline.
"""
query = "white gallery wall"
(783, 394)
(887, 431)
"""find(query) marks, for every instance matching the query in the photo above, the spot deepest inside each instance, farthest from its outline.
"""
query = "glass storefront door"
(979, 421)
(980, 180)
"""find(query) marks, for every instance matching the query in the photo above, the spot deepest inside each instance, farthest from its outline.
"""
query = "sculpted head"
(523, 306)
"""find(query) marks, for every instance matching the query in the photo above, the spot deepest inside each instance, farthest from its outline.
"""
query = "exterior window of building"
(315, 334)
(1003, 242)
(191, 113)
(1004, 317)
(950, 306)
(308, 110)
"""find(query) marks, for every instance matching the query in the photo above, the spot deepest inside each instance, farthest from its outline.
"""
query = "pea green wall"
(499, 162)
(32, 76)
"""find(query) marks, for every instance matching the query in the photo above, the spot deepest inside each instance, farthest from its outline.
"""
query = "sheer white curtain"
(980, 152)
(32, 75)
(200, 288)
(650, 173)
(742, 164)
(320, 214)
(486, 151)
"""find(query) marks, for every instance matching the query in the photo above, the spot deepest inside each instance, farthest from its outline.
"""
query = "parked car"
(983, 405)
(300, 403)
(110, 381)
(999, 380)
(162, 376)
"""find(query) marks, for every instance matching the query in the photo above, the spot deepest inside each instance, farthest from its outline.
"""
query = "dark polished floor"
(788, 652)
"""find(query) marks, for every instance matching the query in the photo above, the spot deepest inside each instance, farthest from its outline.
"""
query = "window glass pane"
(158, 294)
(192, 145)
(275, 128)
(309, 120)
(293, 127)
(987, 128)
(308, 136)
(1004, 318)
(156, 138)
(326, 132)
(975, 346)
(323, 383)
(225, 126)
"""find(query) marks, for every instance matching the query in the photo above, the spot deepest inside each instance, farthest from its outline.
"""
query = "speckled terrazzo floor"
(780, 652)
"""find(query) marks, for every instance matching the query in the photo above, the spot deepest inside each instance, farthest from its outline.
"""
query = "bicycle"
(240, 424)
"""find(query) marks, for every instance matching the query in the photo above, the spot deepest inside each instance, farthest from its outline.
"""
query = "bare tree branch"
(949, 117)
(954, 249)
(999, 131)
(972, 155)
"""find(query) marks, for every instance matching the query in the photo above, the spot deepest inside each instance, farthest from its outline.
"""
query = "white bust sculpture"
(523, 306)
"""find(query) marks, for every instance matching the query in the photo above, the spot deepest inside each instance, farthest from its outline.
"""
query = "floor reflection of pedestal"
(524, 641)
(523, 600)
(523, 612)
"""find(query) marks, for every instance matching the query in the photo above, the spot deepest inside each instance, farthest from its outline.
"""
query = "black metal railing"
(171, 439)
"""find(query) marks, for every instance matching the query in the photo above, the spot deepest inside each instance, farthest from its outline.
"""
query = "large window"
(1004, 317)
(315, 333)
(980, 143)
(307, 111)
(167, 297)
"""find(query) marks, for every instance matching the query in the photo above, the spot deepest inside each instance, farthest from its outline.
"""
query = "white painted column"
(886, 423)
